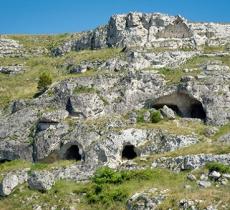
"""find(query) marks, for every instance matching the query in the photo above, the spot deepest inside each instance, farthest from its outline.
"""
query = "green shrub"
(107, 175)
(45, 80)
(214, 166)
(155, 117)
(106, 194)
(107, 185)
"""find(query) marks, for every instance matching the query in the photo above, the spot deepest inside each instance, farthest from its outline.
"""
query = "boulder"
(191, 177)
(215, 175)
(41, 180)
(15, 69)
(204, 184)
(147, 200)
(10, 181)
(168, 113)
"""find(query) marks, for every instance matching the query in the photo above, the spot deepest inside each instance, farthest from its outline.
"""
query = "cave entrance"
(129, 152)
(197, 111)
(182, 104)
(4, 161)
(72, 153)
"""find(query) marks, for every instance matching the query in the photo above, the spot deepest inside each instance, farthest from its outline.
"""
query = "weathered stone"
(54, 116)
(12, 69)
(191, 177)
(41, 180)
(191, 161)
(215, 175)
(9, 182)
(204, 184)
(168, 113)
(10, 48)
(226, 176)
(147, 200)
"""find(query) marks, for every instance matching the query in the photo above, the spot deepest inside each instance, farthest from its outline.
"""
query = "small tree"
(44, 81)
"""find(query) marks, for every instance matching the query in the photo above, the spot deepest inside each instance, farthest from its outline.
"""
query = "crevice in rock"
(129, 152)
(72, 112)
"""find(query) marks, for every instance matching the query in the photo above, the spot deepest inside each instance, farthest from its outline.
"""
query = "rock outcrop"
(189, 162)
(41, 180)
(150, 30)
(10, 48)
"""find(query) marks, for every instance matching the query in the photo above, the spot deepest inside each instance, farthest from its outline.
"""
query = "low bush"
(107, 175)
(107, 185)
(155, 116)
(214, 166)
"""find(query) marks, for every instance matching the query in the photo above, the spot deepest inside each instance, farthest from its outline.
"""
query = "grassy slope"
(67, 193)
(25, 85)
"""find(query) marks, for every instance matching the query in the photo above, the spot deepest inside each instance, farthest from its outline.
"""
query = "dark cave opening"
(4, 160)
(129, 152)
(72, 153)
(182, 104)
(197, 111)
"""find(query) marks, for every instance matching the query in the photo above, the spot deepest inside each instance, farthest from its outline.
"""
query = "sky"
(61, 16)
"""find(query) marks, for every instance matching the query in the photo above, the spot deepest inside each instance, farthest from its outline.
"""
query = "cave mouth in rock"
(4, 161)
(129, 152)
(182, 104)
(72, 153)
(197, 111)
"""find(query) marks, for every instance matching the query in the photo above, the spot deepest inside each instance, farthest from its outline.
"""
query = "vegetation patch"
(83, 89)
(214, 166)
(155, 116)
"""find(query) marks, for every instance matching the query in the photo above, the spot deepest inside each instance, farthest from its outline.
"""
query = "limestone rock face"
(191, 161)
(15, 132)
(10, 48)
(86, 105)
(11, 69)
(41, 180)
(54, 117)
(150, 30)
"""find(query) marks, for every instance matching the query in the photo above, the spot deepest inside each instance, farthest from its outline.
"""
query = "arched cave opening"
(129, 152)
(73, 153)
(182, 104)
(197, 111)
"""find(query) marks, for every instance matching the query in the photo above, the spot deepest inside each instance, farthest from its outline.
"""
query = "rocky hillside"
(137, 117)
